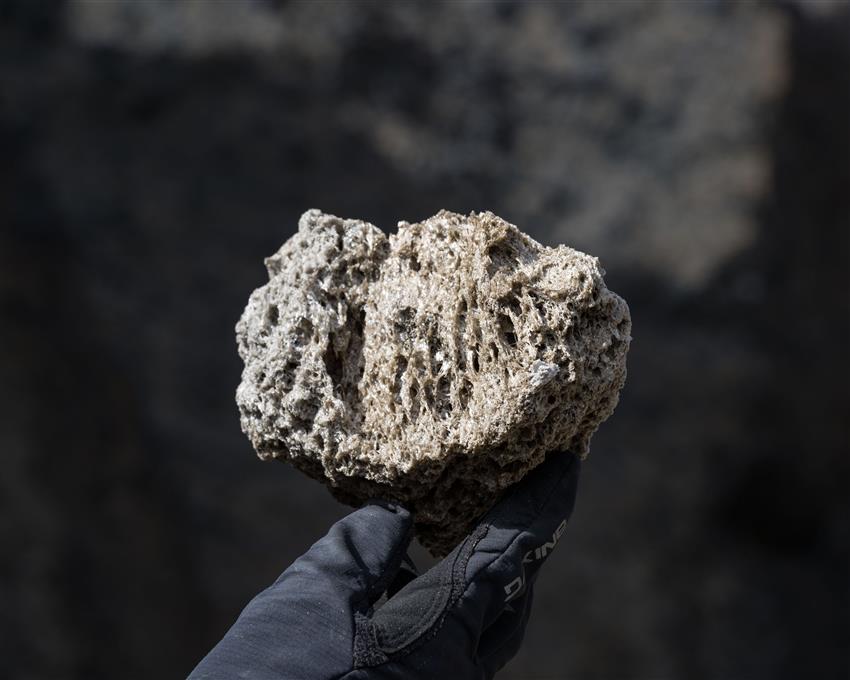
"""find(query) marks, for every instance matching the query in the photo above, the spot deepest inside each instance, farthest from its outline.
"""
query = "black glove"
(463, 618)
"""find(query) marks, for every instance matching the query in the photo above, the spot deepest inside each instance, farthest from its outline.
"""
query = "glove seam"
(458, 572)
(446, 586)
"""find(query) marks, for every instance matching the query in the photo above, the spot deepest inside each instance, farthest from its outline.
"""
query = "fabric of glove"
(463, 618)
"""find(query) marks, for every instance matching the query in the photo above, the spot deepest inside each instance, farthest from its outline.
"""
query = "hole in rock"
(464, 393)
(400, 368)
(443, 396)
(333, 365)
(501, 255)
(613, 349)
(506, 328)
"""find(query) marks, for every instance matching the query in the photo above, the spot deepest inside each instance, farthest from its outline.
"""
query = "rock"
(434, 367)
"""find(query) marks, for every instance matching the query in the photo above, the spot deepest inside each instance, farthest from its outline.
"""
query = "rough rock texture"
(435, 367)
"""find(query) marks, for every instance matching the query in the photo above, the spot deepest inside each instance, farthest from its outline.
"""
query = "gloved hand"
(463, 618)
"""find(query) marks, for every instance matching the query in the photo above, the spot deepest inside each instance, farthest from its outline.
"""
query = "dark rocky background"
(154, 153)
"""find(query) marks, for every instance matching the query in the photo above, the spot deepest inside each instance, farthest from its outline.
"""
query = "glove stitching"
(367, 651)
(390, 640)
(442, 599)
(458, 572)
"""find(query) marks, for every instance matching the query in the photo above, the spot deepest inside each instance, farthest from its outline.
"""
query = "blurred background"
(153, 154)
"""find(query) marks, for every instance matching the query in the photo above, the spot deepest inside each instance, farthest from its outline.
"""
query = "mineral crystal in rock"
(434, 367)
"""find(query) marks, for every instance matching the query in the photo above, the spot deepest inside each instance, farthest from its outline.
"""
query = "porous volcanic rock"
(434, 367)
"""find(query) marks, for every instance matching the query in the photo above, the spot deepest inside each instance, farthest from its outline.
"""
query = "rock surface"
(436, 366)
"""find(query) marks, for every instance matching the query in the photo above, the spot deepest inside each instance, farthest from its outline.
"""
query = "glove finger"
(356, 560)
(311, 605)
(462, 595)
(521, 532)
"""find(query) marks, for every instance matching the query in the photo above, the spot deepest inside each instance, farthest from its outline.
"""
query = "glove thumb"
(357, 558)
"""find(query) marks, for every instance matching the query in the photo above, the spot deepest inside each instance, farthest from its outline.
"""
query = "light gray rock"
(435, 367)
